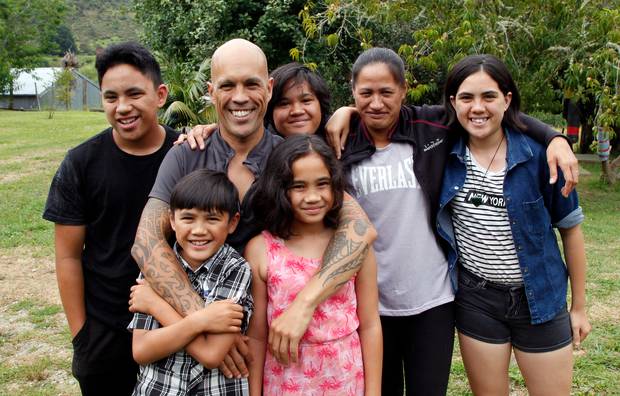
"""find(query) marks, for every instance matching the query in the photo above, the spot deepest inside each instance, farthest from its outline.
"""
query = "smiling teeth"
(479, 120)
(199, 243)
(128, 120)
(240, 113)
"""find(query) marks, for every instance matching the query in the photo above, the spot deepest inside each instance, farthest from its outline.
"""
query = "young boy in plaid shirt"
(181, 358)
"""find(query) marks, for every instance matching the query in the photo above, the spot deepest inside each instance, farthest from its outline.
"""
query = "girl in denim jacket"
(497, 213)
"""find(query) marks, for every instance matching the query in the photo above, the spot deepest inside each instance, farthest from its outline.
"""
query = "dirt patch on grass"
(604, 311)
(36, 357)
(26, 277)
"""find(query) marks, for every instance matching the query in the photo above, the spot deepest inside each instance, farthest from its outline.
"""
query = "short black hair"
(129, 53)
(299, 74)
(271, 204)
(385, 56)
(498, 71)
(206, 190)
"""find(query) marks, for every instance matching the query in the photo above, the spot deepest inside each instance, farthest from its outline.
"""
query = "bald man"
(240, 89)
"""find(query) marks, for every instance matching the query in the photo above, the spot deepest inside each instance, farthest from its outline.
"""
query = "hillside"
(98, 23)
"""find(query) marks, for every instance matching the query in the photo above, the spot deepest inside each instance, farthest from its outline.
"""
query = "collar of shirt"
(257, 157)
(204, 266)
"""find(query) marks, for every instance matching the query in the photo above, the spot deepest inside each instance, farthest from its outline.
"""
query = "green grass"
(40, 316)
(31, 148)
(32, 378)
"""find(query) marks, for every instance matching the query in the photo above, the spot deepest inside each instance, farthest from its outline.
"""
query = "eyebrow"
(130, 89)
(251, 80)
(489, 92)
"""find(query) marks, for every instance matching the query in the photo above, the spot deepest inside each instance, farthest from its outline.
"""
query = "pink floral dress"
(330, 353)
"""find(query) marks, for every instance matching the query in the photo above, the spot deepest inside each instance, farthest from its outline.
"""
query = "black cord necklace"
(476, 198)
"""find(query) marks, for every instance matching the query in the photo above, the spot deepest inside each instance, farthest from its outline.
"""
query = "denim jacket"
(534, 207)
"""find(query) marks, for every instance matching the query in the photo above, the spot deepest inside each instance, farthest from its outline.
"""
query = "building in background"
(36, 89)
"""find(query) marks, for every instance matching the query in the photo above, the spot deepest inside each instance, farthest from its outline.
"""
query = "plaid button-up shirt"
(226, 275)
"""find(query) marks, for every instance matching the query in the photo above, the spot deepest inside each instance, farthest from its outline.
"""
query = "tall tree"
(185, 34)
(27, 29)
(188, 32)
(556, 49)
(64, 40)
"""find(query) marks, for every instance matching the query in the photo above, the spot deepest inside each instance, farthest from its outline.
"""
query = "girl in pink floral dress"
(297, 200)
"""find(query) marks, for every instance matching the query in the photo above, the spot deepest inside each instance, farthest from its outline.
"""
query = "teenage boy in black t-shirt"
(95, 201)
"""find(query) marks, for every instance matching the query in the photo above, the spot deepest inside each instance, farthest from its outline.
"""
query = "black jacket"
(422, 128)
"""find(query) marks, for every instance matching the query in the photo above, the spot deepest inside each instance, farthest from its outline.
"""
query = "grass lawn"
(35, 343)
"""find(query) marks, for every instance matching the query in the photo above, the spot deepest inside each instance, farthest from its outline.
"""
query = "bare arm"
(370, 333)
(157, 261)
(257, 332)
(221, 319)
(342, 259)
(69, 243)
(560, 154)
(337, 128)
(574, 252)
(150, 346)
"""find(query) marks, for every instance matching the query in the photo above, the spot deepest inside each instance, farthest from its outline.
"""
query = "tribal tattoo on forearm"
(158, 262)
(352, 212)
(344, 254)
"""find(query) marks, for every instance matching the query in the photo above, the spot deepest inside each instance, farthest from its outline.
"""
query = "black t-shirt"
(104, 188)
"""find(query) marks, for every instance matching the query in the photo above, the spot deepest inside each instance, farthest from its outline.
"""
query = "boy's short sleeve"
(65, 203)
(235, 284)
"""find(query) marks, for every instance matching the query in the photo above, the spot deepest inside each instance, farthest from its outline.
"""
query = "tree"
(64, 40)
(555, 49)
(193, 30)
(64, 85)
(188, 102)
(592, 79)
(26, 31)
(188, 32)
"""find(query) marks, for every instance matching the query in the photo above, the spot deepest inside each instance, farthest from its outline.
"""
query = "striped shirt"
(482, 227)
(226, 275)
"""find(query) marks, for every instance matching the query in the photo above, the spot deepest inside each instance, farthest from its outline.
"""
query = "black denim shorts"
(499, 314)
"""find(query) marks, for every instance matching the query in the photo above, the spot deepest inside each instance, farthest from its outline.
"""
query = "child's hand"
(580, 324)
(222, 317)
(142, 298)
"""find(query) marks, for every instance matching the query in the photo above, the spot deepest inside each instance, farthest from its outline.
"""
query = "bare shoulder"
(256, 254)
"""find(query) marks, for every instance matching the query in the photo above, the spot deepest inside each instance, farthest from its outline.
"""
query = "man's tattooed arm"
(349, 246)
(158, 262)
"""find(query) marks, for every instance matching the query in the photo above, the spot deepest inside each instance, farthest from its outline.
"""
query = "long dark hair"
(271, 205)
(498, 71)
(298, 74)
